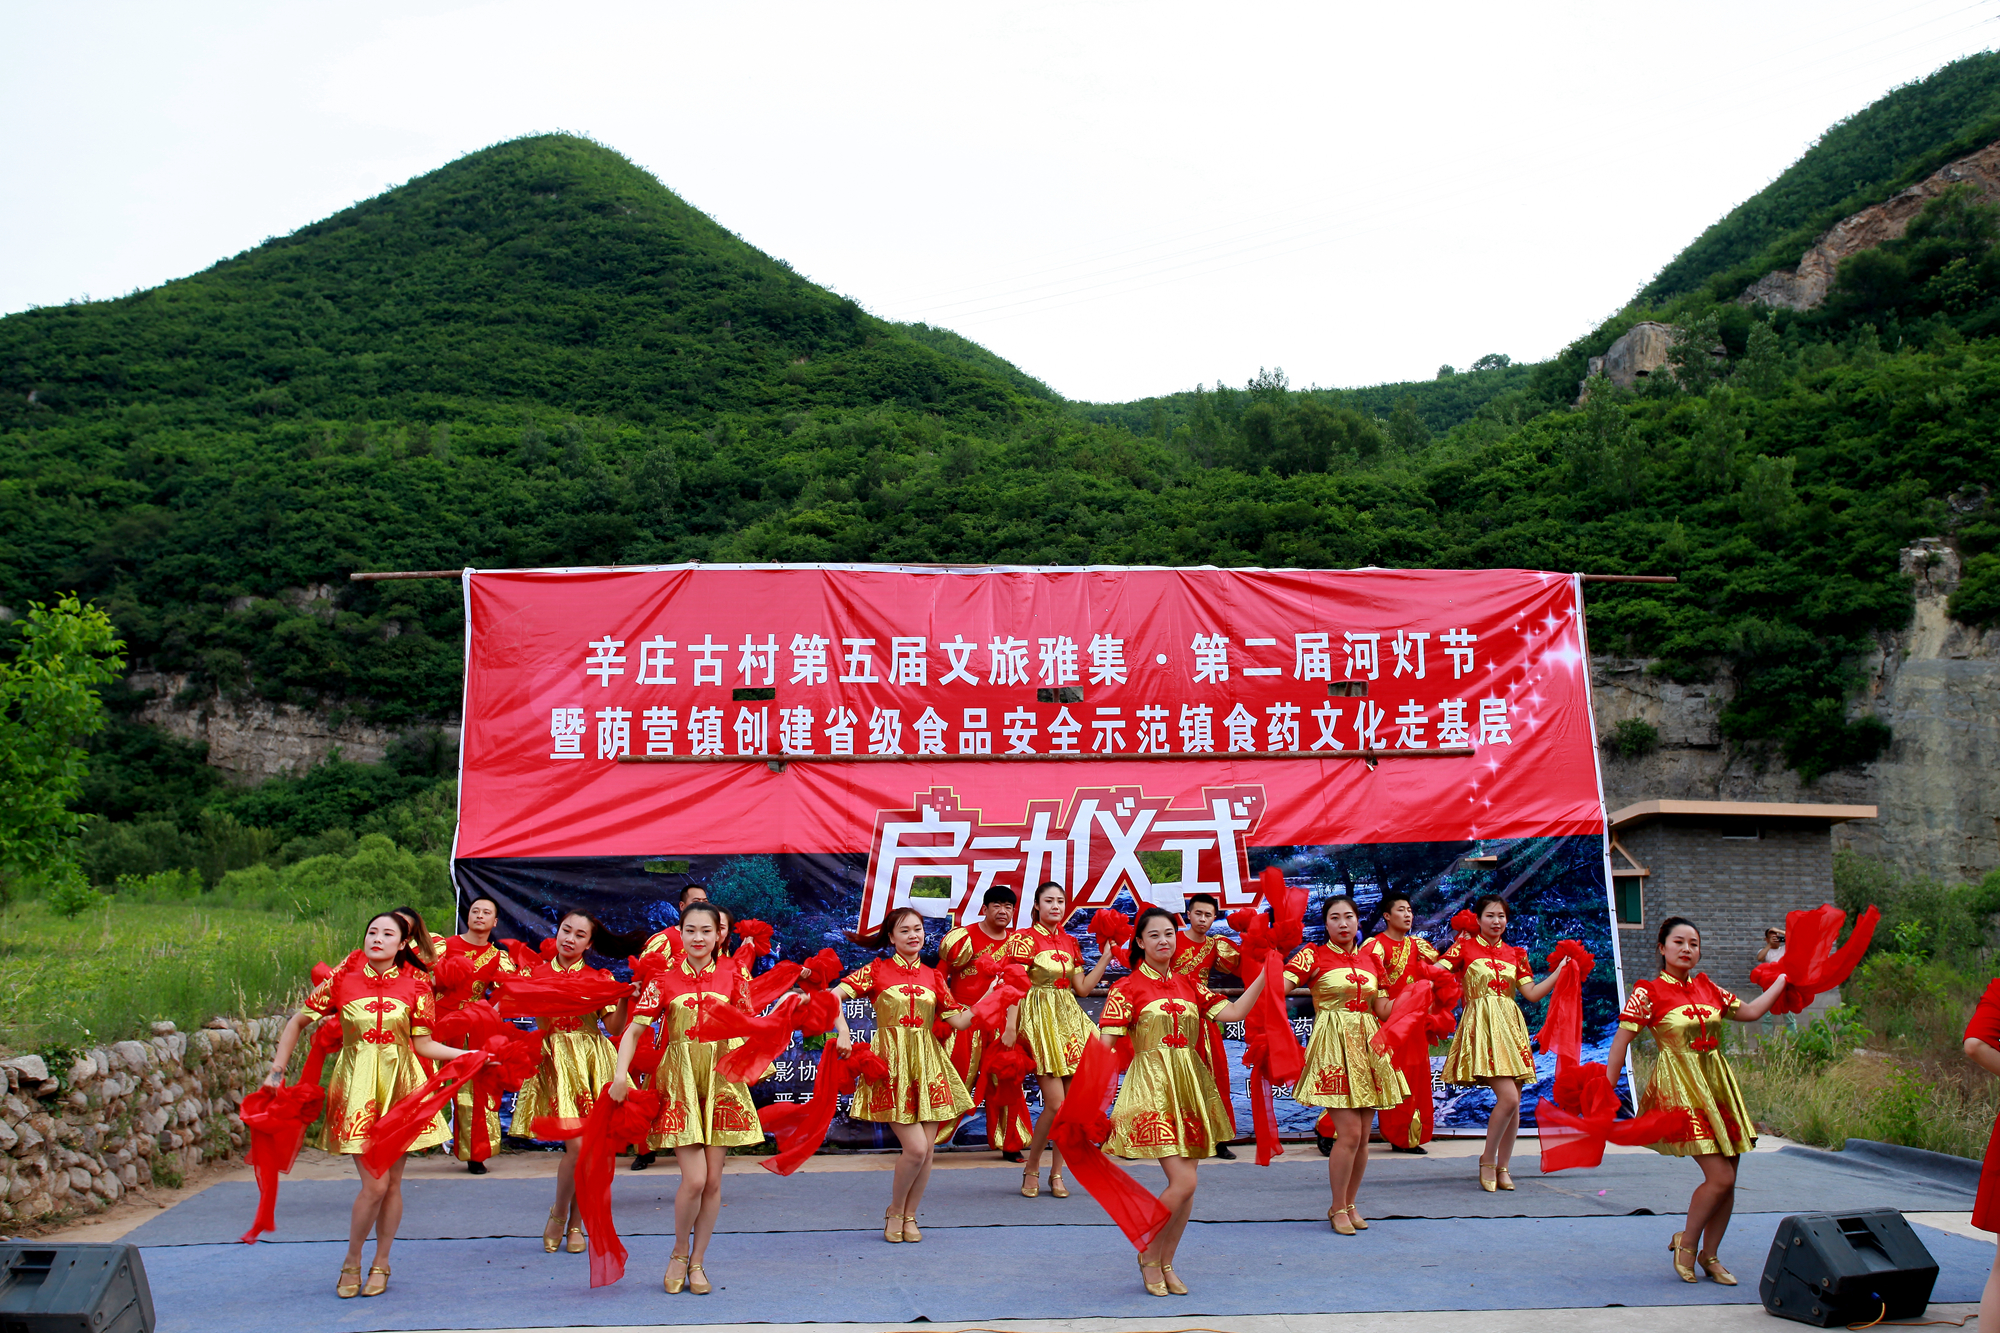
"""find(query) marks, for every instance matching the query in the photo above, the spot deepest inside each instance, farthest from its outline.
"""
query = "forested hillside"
(1885, 147)
(540, 355)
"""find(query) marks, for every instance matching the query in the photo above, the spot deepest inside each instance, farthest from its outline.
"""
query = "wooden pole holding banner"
(455, 573)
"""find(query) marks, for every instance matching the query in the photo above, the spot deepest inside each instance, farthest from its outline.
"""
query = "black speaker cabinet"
(73, 1289)
(1847, 1268)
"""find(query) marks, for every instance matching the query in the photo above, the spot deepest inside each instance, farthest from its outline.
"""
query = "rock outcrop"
(251, 739)
(1937, 685)
(1639, 351)
(1805, 286)
(125, 1115)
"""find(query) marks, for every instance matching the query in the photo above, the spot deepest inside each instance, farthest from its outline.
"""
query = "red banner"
(1114, 729)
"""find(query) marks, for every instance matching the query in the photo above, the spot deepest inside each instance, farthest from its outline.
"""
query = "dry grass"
(1897, 1077)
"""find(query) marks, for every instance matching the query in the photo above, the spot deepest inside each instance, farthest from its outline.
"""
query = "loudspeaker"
(73, 1289)
(1847, 1268)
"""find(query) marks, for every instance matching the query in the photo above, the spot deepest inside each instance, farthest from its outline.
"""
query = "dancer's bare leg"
(1053, 1087)
(1178, 1199)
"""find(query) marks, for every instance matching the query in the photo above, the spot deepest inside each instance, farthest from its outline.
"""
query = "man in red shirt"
(1408, 1125)
(1007, 1125)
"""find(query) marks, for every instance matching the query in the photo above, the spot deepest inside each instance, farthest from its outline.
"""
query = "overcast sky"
(1123, 199)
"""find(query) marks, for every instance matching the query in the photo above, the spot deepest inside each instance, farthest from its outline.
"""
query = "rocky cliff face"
(1806, 286)
(252, 739)
(1937, 685)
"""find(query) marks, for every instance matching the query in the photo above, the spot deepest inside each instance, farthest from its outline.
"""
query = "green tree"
(47, 707)
(1406, 429)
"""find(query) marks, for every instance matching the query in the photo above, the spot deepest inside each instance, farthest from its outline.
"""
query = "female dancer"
(922, 1090)
(1168, 1107)
(1982, 1047)
(1051, 1019)
(702, 1114)
(577, 1060)
(476, 947)
(384, 1009)
(1684, 1010)
(1342, 1072)
(422, 941)
(1491, 1044)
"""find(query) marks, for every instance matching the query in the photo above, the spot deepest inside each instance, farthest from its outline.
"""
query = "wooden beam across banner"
(1452, 752)
(383, 575)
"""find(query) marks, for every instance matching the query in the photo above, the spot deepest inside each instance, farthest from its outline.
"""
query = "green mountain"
(539, 355)
(1888, 146)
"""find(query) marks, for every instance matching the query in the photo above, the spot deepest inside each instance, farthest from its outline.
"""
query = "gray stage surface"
(1292, 1189)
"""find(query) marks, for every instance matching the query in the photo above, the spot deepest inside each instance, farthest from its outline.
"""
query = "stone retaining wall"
(73, 1141)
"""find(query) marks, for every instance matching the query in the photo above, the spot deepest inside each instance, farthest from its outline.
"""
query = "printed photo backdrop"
(1138, 735)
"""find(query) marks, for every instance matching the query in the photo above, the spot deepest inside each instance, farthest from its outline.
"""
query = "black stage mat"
(1292, 1189)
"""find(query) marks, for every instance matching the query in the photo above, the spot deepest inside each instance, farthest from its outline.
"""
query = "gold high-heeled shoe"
(1686, 1271)
(575, 1242)
(1712, 1265)
(374, 1287)
(1338, 1217)
(1031, 1183)
(552, 1240)
(670, 1282)
(1152, 1288)
(698, 1282)
(1354, 1216)
(892, 1227)
(1502, 1179)
(1174, 1284)
(1489, 1183)
(910, 1233)
(1057, 1189)
(345, 1289)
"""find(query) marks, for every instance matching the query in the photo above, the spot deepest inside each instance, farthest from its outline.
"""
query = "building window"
(1744, 830)
(1629, 895)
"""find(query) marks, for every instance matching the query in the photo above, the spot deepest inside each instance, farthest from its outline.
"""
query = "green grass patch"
(107, 973)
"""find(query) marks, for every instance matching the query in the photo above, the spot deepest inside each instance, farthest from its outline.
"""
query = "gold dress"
(1050, 1019)
(380, 1014)
(1690, 1070)
(697, 1105)
(577, 1061)
(1167, 1105)
(922, 1087)
(1342, 1071)
(462, 1108)
(1492, 1037)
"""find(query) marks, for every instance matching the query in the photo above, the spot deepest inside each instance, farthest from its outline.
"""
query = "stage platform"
(808, 1249)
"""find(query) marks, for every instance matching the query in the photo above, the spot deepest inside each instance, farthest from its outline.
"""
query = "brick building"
(1731, 867)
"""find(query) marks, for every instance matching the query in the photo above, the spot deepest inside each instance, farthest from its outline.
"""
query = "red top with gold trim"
(1492, 1036)
(1690, 1072)
(697, 1104)
(959, 955)
(381, 1013)
(1394, 956)
(480, 956)
(1195, 958)
(922, 1087)
(667, 941)
(723, 981)
(1168, 1104)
